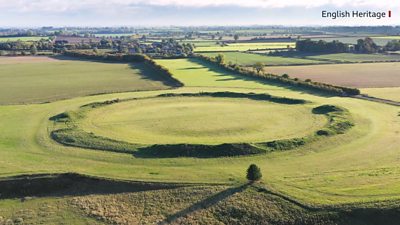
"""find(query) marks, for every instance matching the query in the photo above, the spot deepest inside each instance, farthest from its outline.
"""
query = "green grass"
(245, 46)
(250, 59)
(200, 120)
(358, 166)
(350, 57)
(25, 82)
(7, 39)
(48, 210)
(385, 93)
(194, 72)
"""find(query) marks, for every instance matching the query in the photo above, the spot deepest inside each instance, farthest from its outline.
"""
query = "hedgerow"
(286, 80)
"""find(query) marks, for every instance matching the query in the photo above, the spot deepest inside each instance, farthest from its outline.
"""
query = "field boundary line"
(375, 99)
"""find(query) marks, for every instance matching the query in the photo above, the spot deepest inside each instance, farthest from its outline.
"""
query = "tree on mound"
(253, 173)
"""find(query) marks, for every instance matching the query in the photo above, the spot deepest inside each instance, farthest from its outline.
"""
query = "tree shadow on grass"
(145, 72)
(228, 75)
(204, 204)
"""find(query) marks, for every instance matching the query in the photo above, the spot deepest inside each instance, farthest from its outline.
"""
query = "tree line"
(283, 79)
(366, 45)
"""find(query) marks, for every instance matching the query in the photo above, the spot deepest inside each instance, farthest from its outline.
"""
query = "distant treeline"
(366, 45)
(321, 46)
(284, 79)
(127, 58)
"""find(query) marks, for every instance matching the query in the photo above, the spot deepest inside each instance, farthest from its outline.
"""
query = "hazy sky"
(24, 13)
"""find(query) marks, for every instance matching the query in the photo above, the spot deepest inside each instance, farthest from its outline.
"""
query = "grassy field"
(202, 204)
(194, 72)
(385, 93)
(201, 120)
(366, 75)
(245, 46)
(6, 39)
(250, 59)
(349, 57)
(358, 166)
(42, 79)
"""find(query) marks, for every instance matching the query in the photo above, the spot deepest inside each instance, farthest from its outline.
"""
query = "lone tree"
(33, 50)
(258, 67)
(253, 173)
(236, 37)
(220, 59)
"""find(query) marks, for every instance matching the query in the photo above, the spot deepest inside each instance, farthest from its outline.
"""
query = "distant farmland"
(245, 46)
(41, 79)
(250, 59)
(5, 39)
(350, 57)
(352, 75)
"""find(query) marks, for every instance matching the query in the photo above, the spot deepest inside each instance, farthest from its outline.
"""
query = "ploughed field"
(365, 75)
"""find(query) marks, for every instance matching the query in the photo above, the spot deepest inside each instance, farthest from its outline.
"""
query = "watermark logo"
(356, 14)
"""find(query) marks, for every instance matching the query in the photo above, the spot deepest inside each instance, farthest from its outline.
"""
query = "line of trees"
(284, 79)
(366, 45)
(321, 46)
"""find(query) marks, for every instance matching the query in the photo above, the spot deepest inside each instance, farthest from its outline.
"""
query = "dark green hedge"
(198, 151)
(228, 94)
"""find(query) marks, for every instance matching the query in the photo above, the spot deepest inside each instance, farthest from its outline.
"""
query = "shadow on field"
(145, 72)
(227, 75)
(72, 184)
(205, 203)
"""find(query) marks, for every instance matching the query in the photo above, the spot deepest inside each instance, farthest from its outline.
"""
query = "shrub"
(253, 173)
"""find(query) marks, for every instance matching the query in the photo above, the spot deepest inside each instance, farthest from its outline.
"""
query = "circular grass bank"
(195, 125)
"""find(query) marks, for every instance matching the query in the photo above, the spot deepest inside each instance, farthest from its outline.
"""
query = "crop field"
(6, 39)
(42, 79)
(245, 46)
(392, 93)
(316, 182)
(349, 57)
(250, 59)
(366, 75)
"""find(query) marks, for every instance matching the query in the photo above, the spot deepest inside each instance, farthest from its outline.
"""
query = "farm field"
(5, 39)
(366, 75)
(114, 35)
(350, 57)
(245, 46)
(42, 79)
(250, 59)
(194, 72)
(385, 93)
(338, 169)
